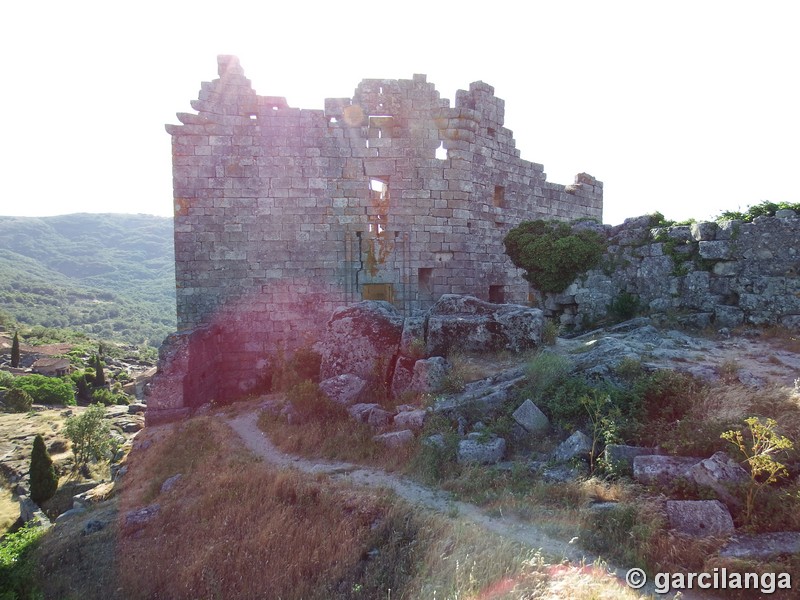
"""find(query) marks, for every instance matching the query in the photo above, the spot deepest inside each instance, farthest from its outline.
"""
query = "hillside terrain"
(109, 275)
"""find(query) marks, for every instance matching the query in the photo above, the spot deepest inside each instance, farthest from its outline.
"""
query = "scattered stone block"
(379, 418)
(395, 439)
(343, 389)
(170, 483)
(620, 456)
(411, 419)
(699, 518)
(475, 450)
(531, 418)
(578, 445)
(361, 411)
(135, 519)
(429, 375)
(762, 546)
(720, 473)
(662, 470)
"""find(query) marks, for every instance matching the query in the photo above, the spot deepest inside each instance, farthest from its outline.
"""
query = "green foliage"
(434, 462)
(621, 533)
(109, 397)
(666, 396)
(17, 578)
(604, 415)
(551, 253)
(762, 209)
(90, 435)
(44, 481)
(18, 400)
(111, 276)
(6, 380)
(624, 306)
(15, 350)
(550, 332)
(47, 390)
(312, 405)
(545, 370)
(99, 373)
(758, 446)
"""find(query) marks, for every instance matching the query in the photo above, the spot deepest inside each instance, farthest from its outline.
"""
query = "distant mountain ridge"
(110, 275)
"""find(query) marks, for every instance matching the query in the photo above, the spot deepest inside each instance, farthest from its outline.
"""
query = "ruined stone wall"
(704, 275)
(284, 214)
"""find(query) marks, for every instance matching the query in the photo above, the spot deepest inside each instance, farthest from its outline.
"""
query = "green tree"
(90, 435)
(551, 253)
(44, 481)
(18, 400)
(99, 373)
(758, 447)
(15, 350)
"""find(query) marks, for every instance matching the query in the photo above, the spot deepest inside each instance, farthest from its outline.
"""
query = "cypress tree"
(99, 375)
(44, 481)
(15, 350)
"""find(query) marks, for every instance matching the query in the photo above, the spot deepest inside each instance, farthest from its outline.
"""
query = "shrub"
(18, 400)
(303, 365)
(109, 398)
(90, 435)
(762, 209)
(666, 395)
(44, 481)
(551, 253)
(17, 579)
(624, 306)
(544, 370)
(550, 332)
(758, 448)
(15, 350)
(47, 390)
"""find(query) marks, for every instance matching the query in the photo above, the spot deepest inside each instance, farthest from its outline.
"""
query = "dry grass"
(9, 509)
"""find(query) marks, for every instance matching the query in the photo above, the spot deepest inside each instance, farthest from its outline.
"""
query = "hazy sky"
(684, 107)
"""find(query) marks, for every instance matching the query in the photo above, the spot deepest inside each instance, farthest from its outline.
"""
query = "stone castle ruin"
(284, 214)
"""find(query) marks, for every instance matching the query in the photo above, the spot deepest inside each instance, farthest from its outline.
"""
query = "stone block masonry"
(284, 214)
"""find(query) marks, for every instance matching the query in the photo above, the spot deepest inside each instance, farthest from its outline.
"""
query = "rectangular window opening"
(380, 126)
(497, 294)
(377, 291)
(425, 279)
(491, 132)
(499, 198)
(253, 116)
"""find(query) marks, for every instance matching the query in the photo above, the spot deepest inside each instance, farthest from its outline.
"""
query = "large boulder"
(403, 373)
(762, 546)
(472, 325)
(484, 398)
(699, 518)
(361, 339)
(620, 456)
(578, 445)
(411, 419)
(343, 389)
(395, 439)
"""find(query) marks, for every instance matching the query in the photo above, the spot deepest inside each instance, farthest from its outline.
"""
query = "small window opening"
(253, 116)
(491, 132)
(425, 278)
(380, 90)
(497, 294)
(274, 108)
(333, 120)
(378, 291)
(499, 199)
(379, 187)
(441, 152)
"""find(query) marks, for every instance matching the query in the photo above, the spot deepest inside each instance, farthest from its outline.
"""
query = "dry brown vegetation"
(236, 528)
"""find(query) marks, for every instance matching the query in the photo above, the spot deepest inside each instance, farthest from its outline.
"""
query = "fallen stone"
(411, 419)
(562, 473)
(412, 339)
(662, 470)
(93, 526)
(97, 494)
(401, 378)
(429, 375)
(578, 445)
(531, 418)
(699, 518)
(474, 450)
(722, 474)
(170, 483)
(379, 418)
(72, 512)
(134, 519)
(395, 439)
(762, 546)
(361, 411)
(343, 389)
(484, 398)
(620, 456)
(435, 441)
(137, 407)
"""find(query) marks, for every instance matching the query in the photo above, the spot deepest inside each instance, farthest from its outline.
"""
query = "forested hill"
(110, 275)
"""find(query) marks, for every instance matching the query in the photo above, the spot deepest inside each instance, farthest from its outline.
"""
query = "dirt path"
(526, 533)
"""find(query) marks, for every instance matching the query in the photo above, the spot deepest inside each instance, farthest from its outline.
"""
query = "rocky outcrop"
(483, 398)
(762, 546)
(343, 389)
(472, 325)
(578, 445)
(429, 375)
(722, 474)
(478, 449)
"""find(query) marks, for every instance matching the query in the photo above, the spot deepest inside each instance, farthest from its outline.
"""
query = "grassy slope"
(109, 275)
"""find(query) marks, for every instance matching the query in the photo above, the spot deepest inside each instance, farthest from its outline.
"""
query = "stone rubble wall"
(283, 214)
(706, 274)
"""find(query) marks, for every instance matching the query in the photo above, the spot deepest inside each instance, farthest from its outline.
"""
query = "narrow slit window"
(497, 294)
(499, 199)
(441, 152)
(425, 278)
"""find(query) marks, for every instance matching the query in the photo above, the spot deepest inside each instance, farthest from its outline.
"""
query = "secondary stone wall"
(706, 274)
(284, 214)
